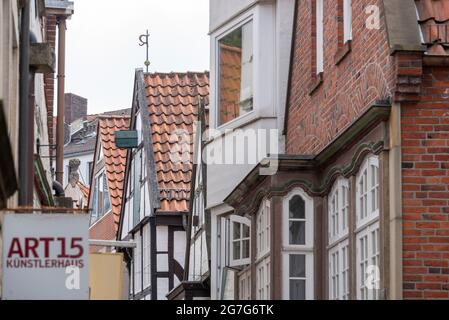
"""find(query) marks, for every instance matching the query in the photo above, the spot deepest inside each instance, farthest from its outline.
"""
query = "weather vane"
(144, 42)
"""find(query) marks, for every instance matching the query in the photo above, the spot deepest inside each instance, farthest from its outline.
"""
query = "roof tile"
(434, 22)
(173, 107)
(115, 159)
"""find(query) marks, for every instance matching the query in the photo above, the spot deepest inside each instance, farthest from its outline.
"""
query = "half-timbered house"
(196, 282)
(158, 179)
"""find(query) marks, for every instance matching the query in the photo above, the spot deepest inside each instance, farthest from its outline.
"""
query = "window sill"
(342, 52)
(316, 83)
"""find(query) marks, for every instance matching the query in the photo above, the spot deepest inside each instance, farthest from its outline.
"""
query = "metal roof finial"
(144, 42)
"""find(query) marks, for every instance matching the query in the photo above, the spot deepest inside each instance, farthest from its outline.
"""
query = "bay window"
(235, 73)
(368, 238)
(298, 246)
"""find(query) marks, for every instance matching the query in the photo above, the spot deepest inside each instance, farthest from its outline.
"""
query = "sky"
(103, 45)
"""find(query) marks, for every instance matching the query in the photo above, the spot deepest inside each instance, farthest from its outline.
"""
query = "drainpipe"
(61, 102)
(26, 150)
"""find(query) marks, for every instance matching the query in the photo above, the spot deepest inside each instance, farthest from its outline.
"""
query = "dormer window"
(235, 73)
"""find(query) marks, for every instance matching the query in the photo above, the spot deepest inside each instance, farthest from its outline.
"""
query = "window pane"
(297, 208)
(236, 68)
(245, 231)
(236, 250)
(107, 201)
(297, 266)
(297, 289)
(236, 227)
(297, 232)
(245, 253)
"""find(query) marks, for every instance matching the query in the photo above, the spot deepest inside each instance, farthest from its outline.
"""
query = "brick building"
(358, 206)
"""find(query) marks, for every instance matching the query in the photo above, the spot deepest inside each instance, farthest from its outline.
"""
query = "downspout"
(61, 102)
(25, 114)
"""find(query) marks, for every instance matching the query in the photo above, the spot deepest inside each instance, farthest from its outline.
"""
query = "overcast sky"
(103, 45)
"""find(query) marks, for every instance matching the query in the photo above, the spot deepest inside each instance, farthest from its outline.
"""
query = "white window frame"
(371, 257)
(319, 36)
(366, 193)
(263, 227)
(338, 211)
(347, 20)
(306, 250)
(309, 275)
(263, 279)
(97, 216)
(339, 271)
(241, 221)
(247, 18)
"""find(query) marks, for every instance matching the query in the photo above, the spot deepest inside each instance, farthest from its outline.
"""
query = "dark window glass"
(297, 289)
(297, 233)
(297, 266)
(297, 208)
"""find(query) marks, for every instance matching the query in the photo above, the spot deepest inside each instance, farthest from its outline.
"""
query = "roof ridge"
(113, 116)
(156, 73)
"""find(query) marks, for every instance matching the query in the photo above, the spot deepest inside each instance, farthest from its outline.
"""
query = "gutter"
(26, 114)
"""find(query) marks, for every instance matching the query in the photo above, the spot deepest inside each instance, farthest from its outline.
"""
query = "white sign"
(45, 257)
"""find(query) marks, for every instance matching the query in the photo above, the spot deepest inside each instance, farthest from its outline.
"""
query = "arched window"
(368, 231)
(298, 245)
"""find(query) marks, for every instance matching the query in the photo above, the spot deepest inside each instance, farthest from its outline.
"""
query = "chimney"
(75, 107)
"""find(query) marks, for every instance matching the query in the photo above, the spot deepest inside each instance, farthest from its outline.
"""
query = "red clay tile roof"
(434, 22)
(230, 82)
(173, 105)
(115, 159)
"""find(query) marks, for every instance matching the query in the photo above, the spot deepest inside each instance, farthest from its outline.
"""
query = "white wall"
(83, 169)
(223, 10)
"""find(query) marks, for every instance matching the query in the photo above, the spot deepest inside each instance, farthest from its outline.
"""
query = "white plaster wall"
(162, 288)
(179, 252)
(223, 10)
(83, 169)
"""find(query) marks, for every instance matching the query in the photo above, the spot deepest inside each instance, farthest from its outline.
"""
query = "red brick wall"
(49, 79)
(425, 140)
(365, 75)
(104, 229)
